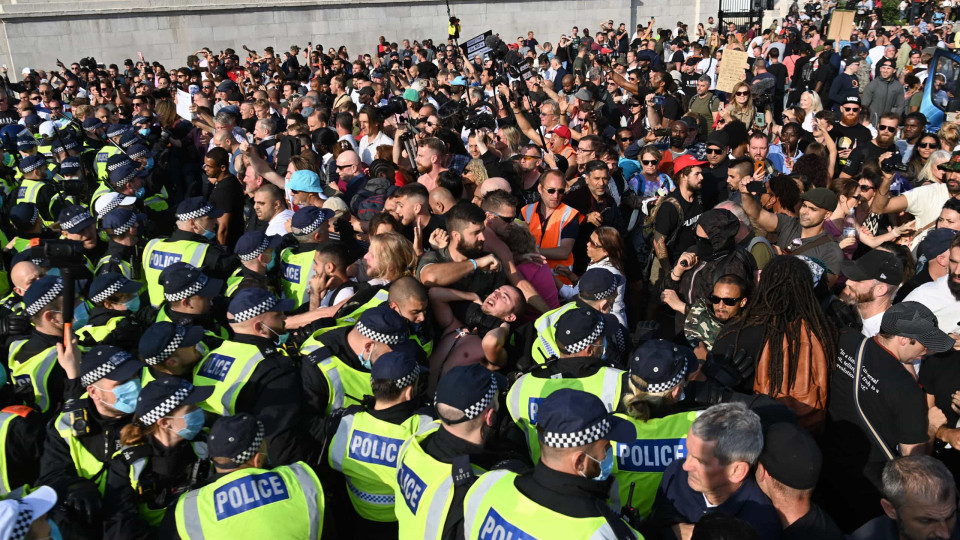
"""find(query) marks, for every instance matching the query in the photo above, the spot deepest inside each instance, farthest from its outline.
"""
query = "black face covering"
(676, 141)
(704, 249)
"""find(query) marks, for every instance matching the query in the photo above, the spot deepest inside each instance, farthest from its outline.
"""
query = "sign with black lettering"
(476, 45)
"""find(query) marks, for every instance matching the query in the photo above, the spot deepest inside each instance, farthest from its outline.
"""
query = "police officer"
(122, 255)
(102, 394)
(289, 499)
(111, 147)
(125, 178)
(193, 242)
(162, 456)
(581, 343)
(156, 198)
(598, 290)
(338, 374)
(258, 256)
(27, 224)
(37, 188)
(310, 225)
(189, 295)
(115, 318)
(77, 224)
(435, 468)
(112, 200)
(565, 495)
(24, 272)
(252, 373)
(658, 374)
(171, 350)
(32, 359)
(367, 441)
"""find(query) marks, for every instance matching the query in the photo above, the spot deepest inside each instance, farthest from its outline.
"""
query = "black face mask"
(704, 249)
(676, 141)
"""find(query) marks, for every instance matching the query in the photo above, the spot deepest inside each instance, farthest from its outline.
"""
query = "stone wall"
(35, 33)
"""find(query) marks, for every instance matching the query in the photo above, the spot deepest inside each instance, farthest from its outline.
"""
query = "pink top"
(540, 276)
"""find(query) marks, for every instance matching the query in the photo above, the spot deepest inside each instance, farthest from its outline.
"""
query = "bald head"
(405, 288)
(348, 157)
(488, 185)
(23, 274)
(441, 200)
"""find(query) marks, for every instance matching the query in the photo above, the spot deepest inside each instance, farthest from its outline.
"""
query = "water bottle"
(850, 224)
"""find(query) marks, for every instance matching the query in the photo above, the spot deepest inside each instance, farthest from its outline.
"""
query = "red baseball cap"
(685, 161)
(562, 131)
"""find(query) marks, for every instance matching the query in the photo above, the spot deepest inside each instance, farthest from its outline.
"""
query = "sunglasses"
(649, 162)
(592, 244)
(35, 98)
(891, 129)
(624, 139)
(851, 109)
(715, 151)
(928, 146)
(866, 187)
(714, 299)
(743, 93)
(553, 190)
(341, 167)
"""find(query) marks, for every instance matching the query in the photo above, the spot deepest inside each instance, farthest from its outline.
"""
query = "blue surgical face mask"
(281, 338)
(606, 466)
(54, 531)
(140, 193)
(81, 315)
(209, 235)
(273, 262)
(149, 163)
(367, 363)
(144, 132)
(194, 420)
(126, 394)
(133, 305)
(53, 272)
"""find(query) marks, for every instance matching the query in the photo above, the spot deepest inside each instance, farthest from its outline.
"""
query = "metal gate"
(742, 13)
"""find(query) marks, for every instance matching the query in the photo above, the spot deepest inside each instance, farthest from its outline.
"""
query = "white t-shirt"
(871, 326)
(926, 202)
(937, 297)
(368, 148)
(276, 225)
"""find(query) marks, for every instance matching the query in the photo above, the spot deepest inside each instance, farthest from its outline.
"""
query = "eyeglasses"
(341, 167)
(584, 150)
(715, 151)
(624, 139)
(851, 109)
(593, 244)
(891, 129)
(35, 98)
(928, 145)
(743, 93)
(552, 190)
(866, 187)
(714, 299)
(649, 162)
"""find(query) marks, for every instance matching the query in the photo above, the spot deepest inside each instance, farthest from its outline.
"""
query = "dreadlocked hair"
(639, 403)
(783, 301)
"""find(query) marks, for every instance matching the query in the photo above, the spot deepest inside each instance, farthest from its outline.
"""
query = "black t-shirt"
(940, 377)
(227, 195)
(780, 72)
(814, 524)
(865, 153)
(857, 133)
(890, 398)
(824, 74)
(8, 116)
(668, 220)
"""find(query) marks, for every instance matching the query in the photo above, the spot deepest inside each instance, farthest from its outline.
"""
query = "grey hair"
(922, 478)
(267, 124)
(736, 430)
(224, 119)
(705, 78)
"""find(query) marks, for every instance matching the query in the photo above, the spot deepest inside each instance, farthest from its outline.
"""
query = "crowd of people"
(554, 290)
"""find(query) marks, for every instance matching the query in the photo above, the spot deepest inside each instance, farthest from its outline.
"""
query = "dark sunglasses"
(714, 151)
(649, 162)
(743, 93)
(851, 109)
(891, 129)
(866, 187)
(341, 167)
(561, 191)
(624, 139)
(714, 299)
(928, 146)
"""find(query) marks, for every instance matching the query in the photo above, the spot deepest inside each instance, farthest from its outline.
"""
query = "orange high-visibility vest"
(549, 236)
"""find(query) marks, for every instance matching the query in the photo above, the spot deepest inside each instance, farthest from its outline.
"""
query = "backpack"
(649, 224)
(806, 71)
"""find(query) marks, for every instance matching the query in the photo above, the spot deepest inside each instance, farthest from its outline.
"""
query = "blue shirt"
(747, 503)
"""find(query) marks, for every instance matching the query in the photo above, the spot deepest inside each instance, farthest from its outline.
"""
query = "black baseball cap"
(877, 264)
(915, 320)
(791, 456)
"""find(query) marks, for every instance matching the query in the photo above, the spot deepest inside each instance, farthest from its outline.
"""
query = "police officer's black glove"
(731, 369)
(705, 392)
(14, 325)
(83, 500)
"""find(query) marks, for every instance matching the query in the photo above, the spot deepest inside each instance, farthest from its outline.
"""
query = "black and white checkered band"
(255, 311)
(167, 405)
(140, 153)
(409, 378)
(179, 333)
(248, 454)
(664, 386)
(610, 291)
(370, 333)
(115, 201)
(309, 228)
(21, 526)
(32, 166)
(116, 131)
(75, 220)
(36, 215)
(108, 292)
(477, 408)
(191, 289)
(115, 166)
(47, 297)
(198, 213)
(105, 368)
(580, 438)
(126, 226)
(120, 182)
(587, 341)
(256, 252)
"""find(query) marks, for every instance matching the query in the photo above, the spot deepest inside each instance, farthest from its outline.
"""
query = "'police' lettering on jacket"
(533, 409)
(411, 486)
(291, 272)
(496, 528)
(374, 449)
(651, 455)
(216, 366)
(248, 493)
(162, 259)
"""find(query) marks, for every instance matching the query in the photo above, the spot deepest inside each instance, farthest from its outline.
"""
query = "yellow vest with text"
(285, 502)
(365, 449)
(527, 392)
(347, 385)
(100, 161)
(545, 345)
(296, 269)
(34, 371)
(495, 509)
(160, 254)
(29, 191)
(87, 465)
(227, 368)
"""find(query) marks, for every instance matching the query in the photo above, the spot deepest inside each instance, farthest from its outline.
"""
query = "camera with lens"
(88, 62)
(395, 105)
(480, 120)
(72, 188)
(64, 253)
(893, 163)
(657, 101)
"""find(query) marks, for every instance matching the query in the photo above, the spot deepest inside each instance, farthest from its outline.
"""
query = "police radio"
(628, 512)
(79, 421)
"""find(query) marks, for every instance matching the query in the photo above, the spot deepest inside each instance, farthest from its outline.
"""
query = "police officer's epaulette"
(462, 471)
(319, 355)
(22, 411)
(130, 454)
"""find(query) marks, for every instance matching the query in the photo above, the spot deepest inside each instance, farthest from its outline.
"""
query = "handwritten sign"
(731, 70)
(841, 25)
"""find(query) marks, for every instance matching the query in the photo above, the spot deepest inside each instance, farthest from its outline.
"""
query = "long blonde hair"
(639, 403)
(395, 253)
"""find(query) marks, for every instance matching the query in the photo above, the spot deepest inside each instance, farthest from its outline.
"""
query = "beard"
(852, 298)
(423, 169)
(954, 286)
(474, 252)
